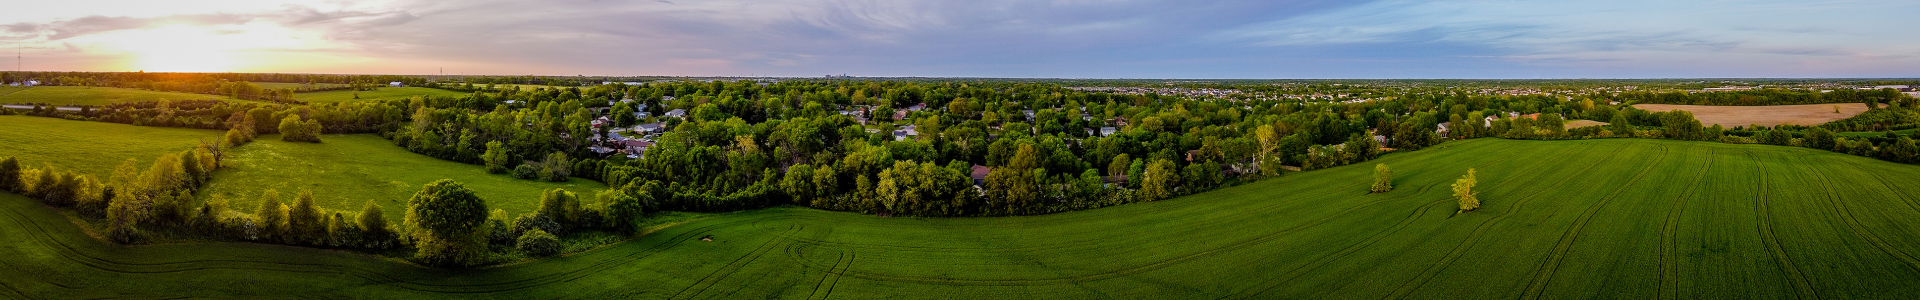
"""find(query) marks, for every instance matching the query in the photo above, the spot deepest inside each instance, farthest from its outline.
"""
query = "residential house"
(397, 84)
(650, 128)
(980, 174)
(676, 113)
(1108, 131)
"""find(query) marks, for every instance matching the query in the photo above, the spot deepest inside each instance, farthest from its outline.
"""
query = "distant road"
(17, 106)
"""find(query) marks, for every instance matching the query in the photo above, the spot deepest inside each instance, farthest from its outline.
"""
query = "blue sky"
(986, 38)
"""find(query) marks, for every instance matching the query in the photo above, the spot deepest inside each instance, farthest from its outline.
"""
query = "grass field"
(1616, 218)
(91, 147)
(1864, 134)
(344, 171)
(385, 93)
(1730, 116)
(77, 95)
(1584, 123)
(293, 85)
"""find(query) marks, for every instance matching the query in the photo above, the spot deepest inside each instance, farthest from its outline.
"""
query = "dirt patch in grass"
(1730, 116)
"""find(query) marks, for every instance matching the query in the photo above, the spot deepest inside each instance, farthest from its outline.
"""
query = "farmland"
(76, 95)
(1625, 218)
(344, 171)
(385, 93)
(91, 147)
(292, 85)
(1731, 116)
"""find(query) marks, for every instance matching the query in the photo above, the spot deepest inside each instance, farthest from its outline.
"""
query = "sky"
(979, 38)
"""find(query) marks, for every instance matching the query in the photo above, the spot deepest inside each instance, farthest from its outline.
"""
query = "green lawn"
(344, 171)
(1620, 218)
(385, 93)
(79, 95)
(92, 147)
(1864, 134)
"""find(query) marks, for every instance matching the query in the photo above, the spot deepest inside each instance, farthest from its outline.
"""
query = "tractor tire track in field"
(1794, 275)
(1544, 275)
(1669, 244)
(1889, 185)
(724, 271)
(1356, 247)
(1853, 224)
(831, 277)
(1473, 237)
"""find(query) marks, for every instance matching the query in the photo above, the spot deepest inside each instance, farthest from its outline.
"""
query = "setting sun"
(183, 48)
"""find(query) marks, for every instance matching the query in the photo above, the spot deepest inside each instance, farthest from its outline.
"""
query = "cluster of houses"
(25, 83)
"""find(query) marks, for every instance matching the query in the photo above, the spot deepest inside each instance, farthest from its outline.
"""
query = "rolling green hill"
(79, 95)
(344, 171)
(92, 147)
(1629, 218)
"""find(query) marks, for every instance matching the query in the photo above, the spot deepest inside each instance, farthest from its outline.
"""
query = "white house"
(397, 84)
(676, 113)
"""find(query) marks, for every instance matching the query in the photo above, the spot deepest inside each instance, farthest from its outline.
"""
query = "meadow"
(384, 93)
(80, 95)
(1617, 218)
(295, 85)
(344, 171)
(92, 147)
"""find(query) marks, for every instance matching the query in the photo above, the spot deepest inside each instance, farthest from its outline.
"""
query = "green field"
(92, 147)
(344, 171)
(78, 95)
(1621, 218)
(294, 85)
(1867, 134)
(385, 93)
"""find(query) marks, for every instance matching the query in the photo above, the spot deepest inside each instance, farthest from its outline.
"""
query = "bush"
(526, 171)
(1382, 179)
(538, 243)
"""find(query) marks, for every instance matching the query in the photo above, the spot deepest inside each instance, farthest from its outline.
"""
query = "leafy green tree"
(1681, 125)
(623, 211)
(559, 205)
(1902, 150)
(1621, 126)
(124, 213)
(495, 158)
(305, 224)
(1160, 180)
(372, 222)
(1819, 138)
(1382, 179)
(1463, 189)
(9, 174)
(445, 219)
(271, 215)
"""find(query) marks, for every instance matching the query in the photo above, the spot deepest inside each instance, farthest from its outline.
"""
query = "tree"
(445, 218)
(1382, 179)
(304, 221)
(124, 213)
(1819, 138)
(1680, 125)
(373, 226)
(1902, 150)
(495, 158)
(292, 130)
(1463, 189)
(272, 215)
(1159, 180)
(1621, 126)
(9, 174)
(559, 205)
(623, 210)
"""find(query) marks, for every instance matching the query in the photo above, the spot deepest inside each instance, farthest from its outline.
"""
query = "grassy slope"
(384, 93)
(293, 85)
(344, 171)
(91, 147)
(76, 95)
(1563, 219)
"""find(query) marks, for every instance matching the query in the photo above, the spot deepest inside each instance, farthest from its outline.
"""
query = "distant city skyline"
(1024, 39)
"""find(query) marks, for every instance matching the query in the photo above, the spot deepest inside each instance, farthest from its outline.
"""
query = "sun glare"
(183, 48)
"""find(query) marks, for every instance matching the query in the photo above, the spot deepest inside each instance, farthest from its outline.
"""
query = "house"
(1535, 117)
(650, 128)
(676, 113)
(666, 98)
(980, 174)
(1380, 139)
(1027, 112)
(617, 137)
(861, 120)
(1108, 131)
(642, 115)
(397, 84)
(918, 107)
(1900, 88)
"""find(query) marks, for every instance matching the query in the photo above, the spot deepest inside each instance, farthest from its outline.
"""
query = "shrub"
(9, 174)
(526, 171)
(1463, 189)
(1382, 179)
(445, 217)
(538, 243)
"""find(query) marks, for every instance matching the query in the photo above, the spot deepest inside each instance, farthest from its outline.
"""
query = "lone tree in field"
(1382, 178)
(1463, 188)
(445, 218)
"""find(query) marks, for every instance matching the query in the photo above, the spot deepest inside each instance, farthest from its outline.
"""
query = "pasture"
(92, 147)
(80, 95)
(344, 171)
(296, 85)
(1730, 116)
(1615, 218)
(1584, 123)
(384, 93)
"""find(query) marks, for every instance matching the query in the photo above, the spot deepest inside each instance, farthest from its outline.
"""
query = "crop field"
(91, 147)
(1584, 123)
(344, 171)
(385, 93)
(1617, 218)
(78, 95)
(1730, 116)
